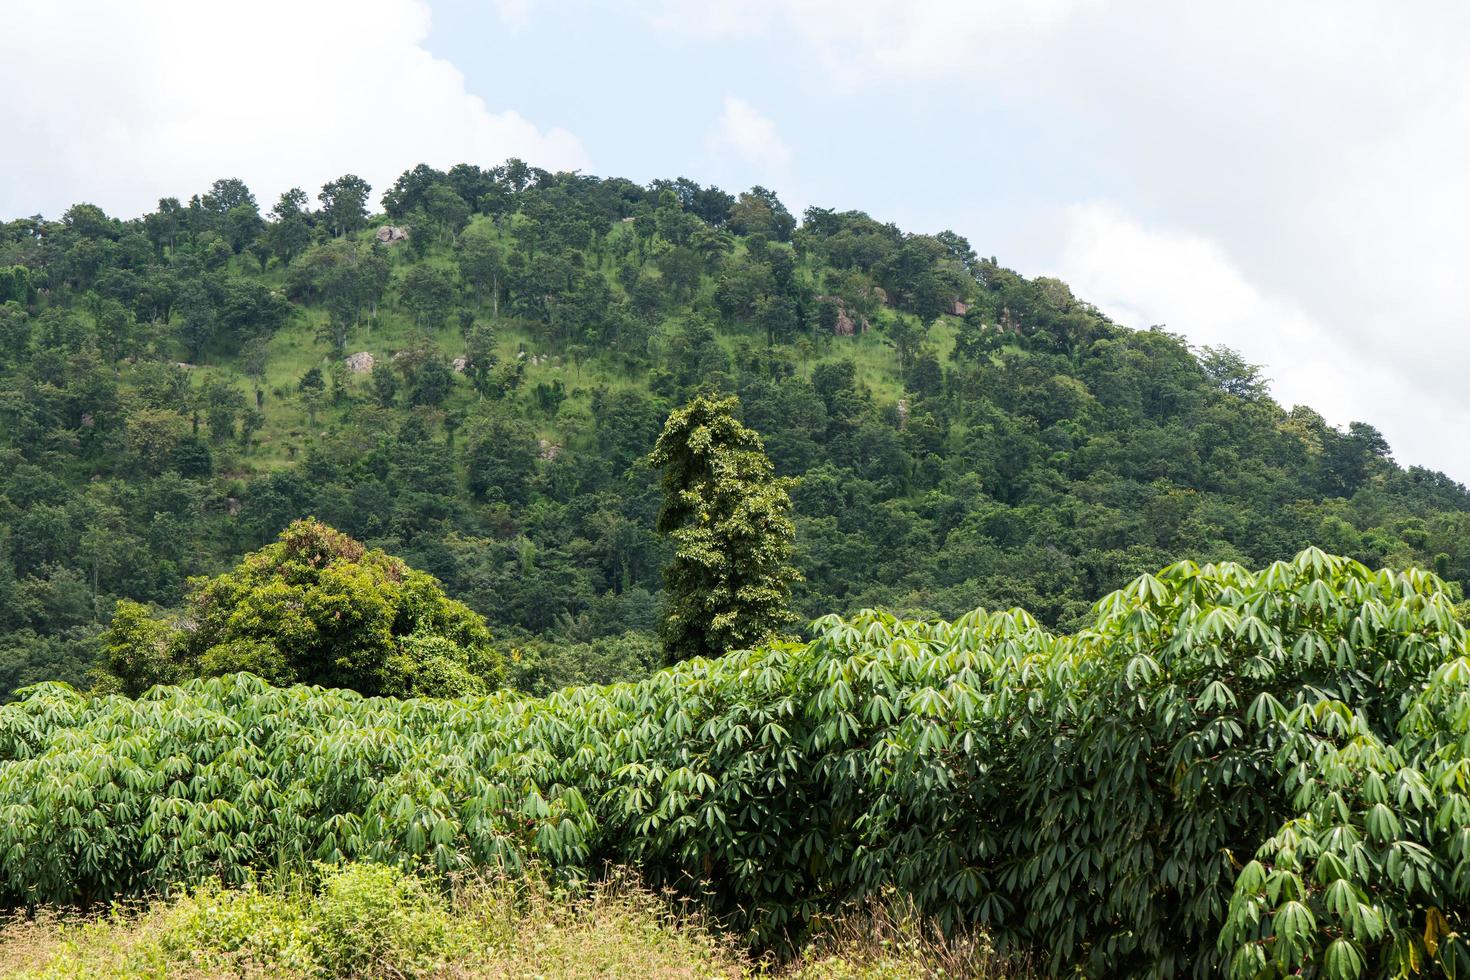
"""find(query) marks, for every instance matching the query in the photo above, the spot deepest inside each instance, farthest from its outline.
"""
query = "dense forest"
(473, 378)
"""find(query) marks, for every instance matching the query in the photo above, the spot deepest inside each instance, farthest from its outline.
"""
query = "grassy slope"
(296, 348)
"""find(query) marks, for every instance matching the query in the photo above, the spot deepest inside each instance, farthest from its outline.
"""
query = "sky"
(1286, 179)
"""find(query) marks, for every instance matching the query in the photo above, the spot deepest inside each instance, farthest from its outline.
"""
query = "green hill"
(176, 389)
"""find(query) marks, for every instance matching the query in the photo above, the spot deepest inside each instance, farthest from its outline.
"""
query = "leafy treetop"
(729, 516)
(316, 607)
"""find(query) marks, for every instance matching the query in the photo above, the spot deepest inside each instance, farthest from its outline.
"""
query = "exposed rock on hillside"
(360, 363)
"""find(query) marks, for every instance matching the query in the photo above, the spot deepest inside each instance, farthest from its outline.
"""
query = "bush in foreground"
(366, 920)
(1262, 772)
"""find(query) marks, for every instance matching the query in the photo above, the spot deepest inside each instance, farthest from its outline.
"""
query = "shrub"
(372, 920)
(218, 927)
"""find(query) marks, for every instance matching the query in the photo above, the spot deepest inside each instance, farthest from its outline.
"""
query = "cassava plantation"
(1255, 771)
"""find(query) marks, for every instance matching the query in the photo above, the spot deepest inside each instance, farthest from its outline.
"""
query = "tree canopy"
(729, 517)
(316, 607)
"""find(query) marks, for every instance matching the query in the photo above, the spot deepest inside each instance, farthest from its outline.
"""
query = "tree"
(431, 382)
(500, 457)
(254, 358)
(223, 402)
(1232, 373)
(975, 340)
(480, 265)
(226, 194)
(138, 651)
(759, 210)
(351, 280)
(447, 210)
(428, 295)
(315, 607)
(480, 356)
(242, 226)
(200, 322)
(728, 515)
(385, 384)
(344, 203)
(290, 229)
(407, 192)
(313, 388)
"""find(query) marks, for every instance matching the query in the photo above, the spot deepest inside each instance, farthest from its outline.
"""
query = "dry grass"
(370, 921)
(890, 940)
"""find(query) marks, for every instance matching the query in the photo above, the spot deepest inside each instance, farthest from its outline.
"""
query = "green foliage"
(344, 203)
(314, 608)
(385, 385)
(543, 667)
(371, 919)
(1252, 772)
(427, 293)
(26, 657)
(138, 650)
(728, 515)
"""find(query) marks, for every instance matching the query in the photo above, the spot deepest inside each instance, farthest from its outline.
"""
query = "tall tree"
(728, 515)
(428, 295)
(290, 231)
(480, 266)
(344, 203)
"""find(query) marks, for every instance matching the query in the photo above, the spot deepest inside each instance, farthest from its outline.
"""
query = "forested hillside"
(472, 378)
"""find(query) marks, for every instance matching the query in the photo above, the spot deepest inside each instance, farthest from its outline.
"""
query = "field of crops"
(1268, 770)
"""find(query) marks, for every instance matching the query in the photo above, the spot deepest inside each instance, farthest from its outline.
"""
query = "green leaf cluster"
(316, 607)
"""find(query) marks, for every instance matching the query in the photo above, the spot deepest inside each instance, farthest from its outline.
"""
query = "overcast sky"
(1286, 178)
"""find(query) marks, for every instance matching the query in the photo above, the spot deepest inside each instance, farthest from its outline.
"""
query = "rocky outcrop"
(360, 363)
(845, 326)
(392, 234)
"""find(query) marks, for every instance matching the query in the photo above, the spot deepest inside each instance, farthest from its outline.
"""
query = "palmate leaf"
(1343, 960)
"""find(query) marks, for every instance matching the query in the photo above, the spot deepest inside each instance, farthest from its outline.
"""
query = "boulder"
(360, 363)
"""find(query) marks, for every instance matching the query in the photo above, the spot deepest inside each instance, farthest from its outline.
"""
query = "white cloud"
(1321, 145)
(120, 103)
(1142, 276)
(864, 41)
(516, 13)
(743, 130)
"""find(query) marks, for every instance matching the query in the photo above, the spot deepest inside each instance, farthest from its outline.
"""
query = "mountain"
(470, 379)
